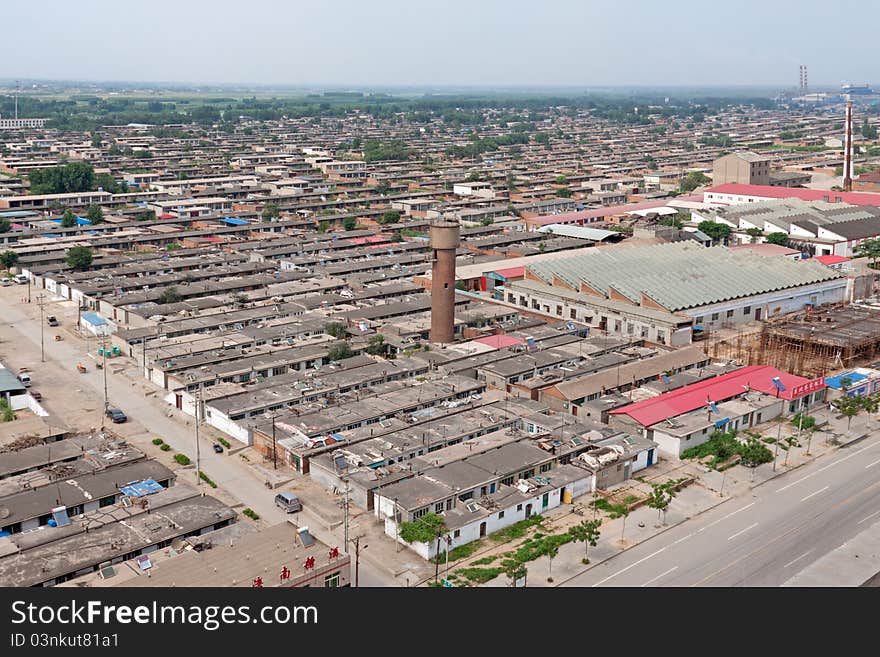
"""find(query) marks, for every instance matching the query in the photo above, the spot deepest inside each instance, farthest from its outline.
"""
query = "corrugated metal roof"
(682, 275)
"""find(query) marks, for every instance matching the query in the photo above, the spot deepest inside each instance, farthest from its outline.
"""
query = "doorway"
(528, 510)
(482, 529)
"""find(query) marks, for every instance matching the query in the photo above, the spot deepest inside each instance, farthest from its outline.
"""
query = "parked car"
(217, 448)
(36, 395)
(288, 502)
(25, 379)
(21, 279)
(51, 320)
(6, 282)
(116, 415)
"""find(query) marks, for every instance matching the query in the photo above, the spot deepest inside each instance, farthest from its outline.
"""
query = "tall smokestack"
(848, 149)
(444, 242)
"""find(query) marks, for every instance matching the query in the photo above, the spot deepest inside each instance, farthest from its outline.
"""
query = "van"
(25, 379)
(21, 279)
(288, 502)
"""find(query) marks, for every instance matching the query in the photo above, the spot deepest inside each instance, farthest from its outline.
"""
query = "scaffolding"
(810, 344)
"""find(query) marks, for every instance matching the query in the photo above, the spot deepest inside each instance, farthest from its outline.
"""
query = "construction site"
(809, 344)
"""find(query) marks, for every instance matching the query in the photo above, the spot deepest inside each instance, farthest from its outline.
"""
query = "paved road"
(761, 539)
(151, 414)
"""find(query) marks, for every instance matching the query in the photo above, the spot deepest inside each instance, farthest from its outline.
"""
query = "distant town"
(348, 338)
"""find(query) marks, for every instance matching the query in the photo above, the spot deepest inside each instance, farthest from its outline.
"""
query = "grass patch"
(535, 549)
(485, 561)
(207, 479)
(250, 513)
(223, 442)
(517, 529)
(630, 499)
(183, 459)
(461, 552)
(479, 575)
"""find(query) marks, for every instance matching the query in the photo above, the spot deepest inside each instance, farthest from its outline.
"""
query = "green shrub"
(183, 459)
(516, 530)
(207, 479)
(250, 513)
(223, 442)
(165, 447)
(158, 441)
(479, 575)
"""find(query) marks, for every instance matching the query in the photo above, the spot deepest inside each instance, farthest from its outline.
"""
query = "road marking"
(868, 518)
(684, 538)
(659, 576)
(712, 524)
(804, 499)
(830, 465)
(632, 565)
(798, 559)
(742, 531)
(778, 538)
(872, 464)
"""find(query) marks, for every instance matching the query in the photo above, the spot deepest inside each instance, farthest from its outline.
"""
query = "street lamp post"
(198, 419)
(357, 557)
(274, 454)
(776, 450)
(40, 298)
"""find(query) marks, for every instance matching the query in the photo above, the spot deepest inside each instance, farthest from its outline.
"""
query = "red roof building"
(498, 341)
(727, 386)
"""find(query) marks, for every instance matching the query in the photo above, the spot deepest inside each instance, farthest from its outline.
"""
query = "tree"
(661, 496)
(587, 533)
(514, 570)
(340, 352)
(550, 550)
(8, 259)
(389, 217)
(868, 131)
(718, 232)
(336, 329)
(270, 211)
(693, 180)
(72, 177)
(349, 223)
(5, 225)
(169, 295)
(472, 177)
(778, 238)
(487, 221)
(108, 183)
(870, 248)
(96, 141)
(147, 215)
(68, 219)
(376, 345)
(849, 407)
(94, 214)
(754, 233)
(79, 258)
(422, 530)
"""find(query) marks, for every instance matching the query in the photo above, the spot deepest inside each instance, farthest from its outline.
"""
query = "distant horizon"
(392, 43)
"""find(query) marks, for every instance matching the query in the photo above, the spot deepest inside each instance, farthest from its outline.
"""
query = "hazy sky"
(454, 42)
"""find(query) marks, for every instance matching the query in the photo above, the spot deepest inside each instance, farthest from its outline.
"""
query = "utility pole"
(40, 298)
(274, 456)
(776, 451)
(104, 369)
(345, 512)
(29, 288)
(357, 557)
(198, 418)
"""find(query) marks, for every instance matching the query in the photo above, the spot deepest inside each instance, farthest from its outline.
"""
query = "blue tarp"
(79, 221)
(232, 221)
(722, 422)
(140, 488)
(834, 381)
(94, 319)
(337, 437)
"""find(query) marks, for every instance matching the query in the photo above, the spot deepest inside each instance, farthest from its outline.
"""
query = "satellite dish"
(4, 512)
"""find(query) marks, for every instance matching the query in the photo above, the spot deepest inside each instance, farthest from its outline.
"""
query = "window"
(456, 533)
(559, 310)
(507, 481)
(500, 515)
(331, 581)
(573, 313)
(519, 507)
(418, 513)
(729, 314)
(747, 310)
(699, 320)
(546, 467)
(448, 504)
(438, 508)
(714, 316)
(483, 491)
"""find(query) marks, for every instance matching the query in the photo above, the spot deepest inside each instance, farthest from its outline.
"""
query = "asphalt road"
(761, 539)
(147, 414)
